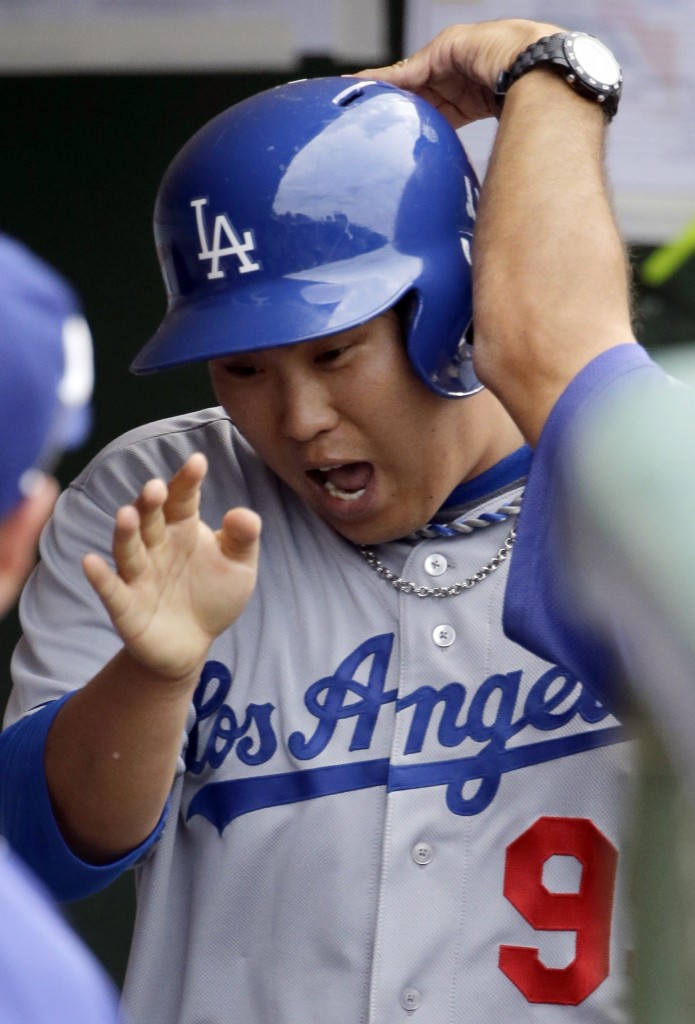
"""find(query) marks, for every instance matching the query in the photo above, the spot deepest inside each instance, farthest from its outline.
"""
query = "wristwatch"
(584, 62)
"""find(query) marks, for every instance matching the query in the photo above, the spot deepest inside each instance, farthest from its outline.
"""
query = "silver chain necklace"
(457, 527)
(408, 587)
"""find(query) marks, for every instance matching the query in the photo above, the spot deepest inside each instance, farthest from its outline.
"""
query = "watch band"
(556, 53)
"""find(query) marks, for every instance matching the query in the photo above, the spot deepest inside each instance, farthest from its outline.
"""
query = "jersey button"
(444, 635)
(435, 565)
(422, 853)
(411, 998)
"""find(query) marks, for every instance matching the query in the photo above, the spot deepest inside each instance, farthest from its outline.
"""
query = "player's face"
(345, 422)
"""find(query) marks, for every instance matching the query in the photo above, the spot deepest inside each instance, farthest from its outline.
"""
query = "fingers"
(445, 73)
(434, 60)
(110, 588)
(158, 504)
(410, 73)
(150, 507)
(143, 525)
(129, 547)
(183, 497)
(240, 534)
(457, 70)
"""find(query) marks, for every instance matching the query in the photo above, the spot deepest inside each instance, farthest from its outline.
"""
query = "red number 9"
(586, 912)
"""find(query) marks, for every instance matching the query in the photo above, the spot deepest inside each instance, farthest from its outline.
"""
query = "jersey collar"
(503, 474)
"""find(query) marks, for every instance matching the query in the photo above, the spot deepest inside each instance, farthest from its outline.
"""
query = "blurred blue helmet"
(309, 209)
(46, 370)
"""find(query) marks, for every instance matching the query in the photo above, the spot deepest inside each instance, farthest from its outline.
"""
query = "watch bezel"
(557, 52)
(594, 85)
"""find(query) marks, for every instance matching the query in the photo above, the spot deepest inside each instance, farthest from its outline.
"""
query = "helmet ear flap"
(437, 321)
(463, 365)
(406, 309)
(454, 376)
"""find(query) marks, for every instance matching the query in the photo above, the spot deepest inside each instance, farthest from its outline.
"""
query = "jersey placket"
(426, 850)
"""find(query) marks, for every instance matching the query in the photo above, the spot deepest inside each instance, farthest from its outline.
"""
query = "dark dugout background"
(82, 157)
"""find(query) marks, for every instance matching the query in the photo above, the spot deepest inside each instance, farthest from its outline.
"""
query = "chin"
(370, 535)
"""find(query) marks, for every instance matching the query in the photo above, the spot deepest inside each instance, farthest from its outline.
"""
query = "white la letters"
(236, 247)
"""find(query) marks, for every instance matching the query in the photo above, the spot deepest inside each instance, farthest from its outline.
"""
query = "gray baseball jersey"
(385, 809)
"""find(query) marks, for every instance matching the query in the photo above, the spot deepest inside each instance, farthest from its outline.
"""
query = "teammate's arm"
(551, 284)
(112, 749)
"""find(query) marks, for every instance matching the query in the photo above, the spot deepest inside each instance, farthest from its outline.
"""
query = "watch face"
(593, 60)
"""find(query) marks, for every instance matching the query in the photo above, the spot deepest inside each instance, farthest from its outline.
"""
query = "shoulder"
(158, 449)
(173, 438)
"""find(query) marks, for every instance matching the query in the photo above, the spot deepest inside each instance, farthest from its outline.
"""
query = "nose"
(307, 408)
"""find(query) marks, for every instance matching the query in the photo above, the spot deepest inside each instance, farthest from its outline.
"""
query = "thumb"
(239, 535)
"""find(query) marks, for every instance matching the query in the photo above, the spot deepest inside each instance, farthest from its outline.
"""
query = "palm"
(178, 584)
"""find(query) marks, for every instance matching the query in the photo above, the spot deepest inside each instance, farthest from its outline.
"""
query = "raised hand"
(457, 71)
(178, 584)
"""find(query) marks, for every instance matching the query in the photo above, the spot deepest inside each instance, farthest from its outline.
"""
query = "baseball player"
(347, 795)
(45, 386)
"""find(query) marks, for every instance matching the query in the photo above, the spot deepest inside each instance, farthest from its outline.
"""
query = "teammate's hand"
(178, 584)
(457, 71)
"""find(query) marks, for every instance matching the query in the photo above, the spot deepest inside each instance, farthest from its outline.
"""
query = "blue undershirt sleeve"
(543, 611)
(27, 820)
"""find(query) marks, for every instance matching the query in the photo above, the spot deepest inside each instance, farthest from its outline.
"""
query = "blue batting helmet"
(46, 370)
(311, 208)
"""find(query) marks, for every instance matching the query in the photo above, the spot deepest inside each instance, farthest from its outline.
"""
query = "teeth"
(337, 492)
(343, 495)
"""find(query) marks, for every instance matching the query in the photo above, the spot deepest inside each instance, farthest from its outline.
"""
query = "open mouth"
(345, 481)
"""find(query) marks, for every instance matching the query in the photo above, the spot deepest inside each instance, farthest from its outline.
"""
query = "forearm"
(111, 753)
(550, 272)
(550, 275)
(27, 819)
(110, 757)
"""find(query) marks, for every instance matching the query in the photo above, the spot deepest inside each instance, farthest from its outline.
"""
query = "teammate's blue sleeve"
(36, 836)
(48, 975)
(543, 609)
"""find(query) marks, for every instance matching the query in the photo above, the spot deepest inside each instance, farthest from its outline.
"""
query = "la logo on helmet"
(235, 247)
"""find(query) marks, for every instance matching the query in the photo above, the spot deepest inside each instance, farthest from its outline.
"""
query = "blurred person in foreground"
(47, 976)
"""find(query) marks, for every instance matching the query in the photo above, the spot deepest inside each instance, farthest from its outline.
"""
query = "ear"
(19, 537)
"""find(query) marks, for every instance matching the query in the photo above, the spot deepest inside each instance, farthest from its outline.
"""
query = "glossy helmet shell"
(309, 209)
